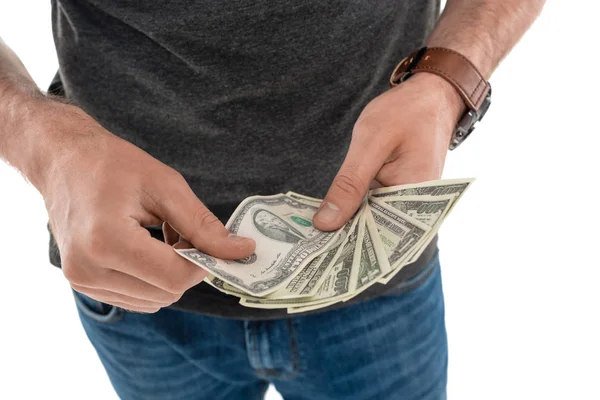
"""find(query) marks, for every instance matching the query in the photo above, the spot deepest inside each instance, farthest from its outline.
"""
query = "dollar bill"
(398, 232)
(311, 287)
(370, 257)
(429, 210)
(306, 282)
(299, 268)
(306, 199)
(335, 284)
(223, 286)
(436, 188)
(358, 265)
(429, 188)
(370, 263)
(285, 242)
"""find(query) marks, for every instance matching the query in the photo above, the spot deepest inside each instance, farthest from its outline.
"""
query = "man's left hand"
(401, 137)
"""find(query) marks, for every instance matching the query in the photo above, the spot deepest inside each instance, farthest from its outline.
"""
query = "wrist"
(448, 104)
(18, 102)
(26, 132)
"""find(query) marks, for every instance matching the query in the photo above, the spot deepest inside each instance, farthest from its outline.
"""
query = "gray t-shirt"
(243, 97)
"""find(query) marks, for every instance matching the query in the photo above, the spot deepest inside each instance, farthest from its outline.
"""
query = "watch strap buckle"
(405, 68)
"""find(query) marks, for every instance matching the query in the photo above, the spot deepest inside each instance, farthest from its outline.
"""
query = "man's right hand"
(100, 192)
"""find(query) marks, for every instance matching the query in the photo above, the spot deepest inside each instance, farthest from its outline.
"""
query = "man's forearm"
(20, 105)
(484, 31)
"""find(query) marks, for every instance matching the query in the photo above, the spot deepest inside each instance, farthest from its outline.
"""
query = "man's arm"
(20, 101)
(484, 31)
(402, 136)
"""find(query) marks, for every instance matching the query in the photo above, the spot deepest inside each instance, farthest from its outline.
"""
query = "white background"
(519, 264)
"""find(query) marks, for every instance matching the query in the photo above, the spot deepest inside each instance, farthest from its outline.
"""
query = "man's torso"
(242, 97)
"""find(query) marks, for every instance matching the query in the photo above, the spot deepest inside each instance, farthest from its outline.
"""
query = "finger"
(171, 236)
(120, 282)
(156, 263)
(109, 297)
(179, 206)
(140, 310)
(349, 187)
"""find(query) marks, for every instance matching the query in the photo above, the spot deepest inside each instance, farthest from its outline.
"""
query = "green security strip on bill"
(299, 268)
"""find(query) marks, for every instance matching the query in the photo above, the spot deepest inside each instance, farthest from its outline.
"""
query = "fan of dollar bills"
(298, 267)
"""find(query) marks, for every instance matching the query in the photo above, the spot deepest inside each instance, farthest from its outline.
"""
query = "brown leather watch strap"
(450, 65)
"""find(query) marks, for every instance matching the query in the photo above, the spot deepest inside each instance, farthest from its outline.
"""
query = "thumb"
(179, 207)
(350, 185)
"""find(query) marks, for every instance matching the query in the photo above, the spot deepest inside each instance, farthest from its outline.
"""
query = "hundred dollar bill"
(370, 258)
(369, 264)
(430, 210)
(320, 274)
(430, 188)
(294, 287)
(285, 241)
(305, 282)
(398, 232)
(437, 188)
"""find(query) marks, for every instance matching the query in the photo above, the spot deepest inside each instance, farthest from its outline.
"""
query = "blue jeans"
(391, 347)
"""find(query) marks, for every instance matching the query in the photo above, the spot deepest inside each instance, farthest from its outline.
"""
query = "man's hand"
(100, 191)
(401, 137)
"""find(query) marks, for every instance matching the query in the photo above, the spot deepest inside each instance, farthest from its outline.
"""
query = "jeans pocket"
(96, 310)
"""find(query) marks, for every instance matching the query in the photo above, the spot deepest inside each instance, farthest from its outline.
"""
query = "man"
(172, 102)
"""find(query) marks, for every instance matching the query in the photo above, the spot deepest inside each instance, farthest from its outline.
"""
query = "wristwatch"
(460, 73)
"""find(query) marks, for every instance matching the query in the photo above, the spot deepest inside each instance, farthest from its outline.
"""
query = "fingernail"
(328, 212)
(236, 238)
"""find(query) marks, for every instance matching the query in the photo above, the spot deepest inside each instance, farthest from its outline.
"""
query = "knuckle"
(174, 182)
(375, 131)
(94, 241)
(173, 298)
(367, 123)
(179, 282)
(175, 176)
(72, 272)
(154, 190)
(176, 287)
(204, 217)
(349, 184)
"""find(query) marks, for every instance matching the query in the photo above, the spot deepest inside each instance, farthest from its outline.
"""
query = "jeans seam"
(293, 347)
